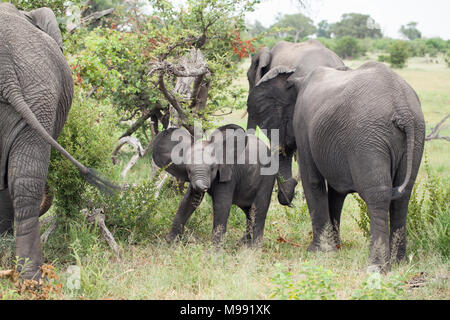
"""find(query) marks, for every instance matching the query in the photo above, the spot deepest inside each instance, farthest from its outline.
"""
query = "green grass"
(192, 269)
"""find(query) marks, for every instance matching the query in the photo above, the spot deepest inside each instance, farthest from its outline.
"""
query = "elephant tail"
(405, 122)
(16, 99)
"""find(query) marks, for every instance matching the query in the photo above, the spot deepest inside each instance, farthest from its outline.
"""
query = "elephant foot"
(246, 241)
(322, 247)
(374, 269)
(286, 191)
(171, 237)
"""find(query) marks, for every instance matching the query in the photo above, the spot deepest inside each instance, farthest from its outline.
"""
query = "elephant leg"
(397, 237)
(247, 238)
(317, 200)
(378, 202)
(27, 173)
(222, 202)
(6, 213)
(190, 202)
(335, 203)
(261, 206)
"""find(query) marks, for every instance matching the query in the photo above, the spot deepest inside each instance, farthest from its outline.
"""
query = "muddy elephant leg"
(6, 213)
(335, 203)
(397, 237)
(190, 202)
(317, 201)
(27, 173)
(222, 202)
(378, 201)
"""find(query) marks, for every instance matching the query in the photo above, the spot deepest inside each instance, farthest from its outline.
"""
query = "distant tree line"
(351, 37)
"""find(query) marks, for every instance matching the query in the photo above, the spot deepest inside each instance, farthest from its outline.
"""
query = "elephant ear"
(229, 142)
(45, 20)
(169, 149)
(260, 62)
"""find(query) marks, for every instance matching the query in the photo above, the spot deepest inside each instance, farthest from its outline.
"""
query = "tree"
(323, 29)
(410, 31)
(347, 47)
(356, 25)
(257, 28)
(296, 25)
(399, 54)
(178, 60)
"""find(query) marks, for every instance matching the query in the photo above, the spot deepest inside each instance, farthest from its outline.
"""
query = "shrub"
(383, 58)
(376, 287)
(314, 283)
(348, 47)
(399, 54)
(447, 58)
(87, 135)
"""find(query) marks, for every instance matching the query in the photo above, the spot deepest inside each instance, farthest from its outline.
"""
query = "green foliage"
(58, 6)
(323, 29)
(363, 221)
(399, 53)
(311, 283)
(377, 287)
(447, 58)
(101, 58)
(348, 47)
(87, 136)
(297, 26)
(356, 25)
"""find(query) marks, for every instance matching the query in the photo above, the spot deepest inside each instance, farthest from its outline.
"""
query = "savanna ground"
(192, 269)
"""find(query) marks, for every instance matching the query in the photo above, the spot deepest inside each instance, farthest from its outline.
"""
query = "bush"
(399, 54)
(447, 58)
(348, 47)
(87, 136)
(314, 283)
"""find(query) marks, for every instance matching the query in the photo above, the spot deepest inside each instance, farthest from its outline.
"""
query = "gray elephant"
(36, 90)
(238, 180)
(303, 58)
(355, 131)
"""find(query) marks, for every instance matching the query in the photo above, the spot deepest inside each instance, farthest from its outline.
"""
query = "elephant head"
(271, 105)
(45, 20)
(198, 162)
(259, 66)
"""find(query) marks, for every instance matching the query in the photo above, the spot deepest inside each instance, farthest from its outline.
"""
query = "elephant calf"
(241, 182)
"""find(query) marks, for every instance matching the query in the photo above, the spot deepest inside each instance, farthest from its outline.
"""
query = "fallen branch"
(53, 224)
(434, 134)
(282, 239)
(97, 216)
(134, 142)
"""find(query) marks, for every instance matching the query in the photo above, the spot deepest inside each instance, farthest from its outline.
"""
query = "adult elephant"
(356, 131)
(36, 90)
(302, 58)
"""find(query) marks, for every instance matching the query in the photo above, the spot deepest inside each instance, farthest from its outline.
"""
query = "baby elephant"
(233, 167)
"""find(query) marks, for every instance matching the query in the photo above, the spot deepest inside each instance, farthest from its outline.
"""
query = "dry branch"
(90, 19)
(434, 134)
(53, 224)
(98, 216)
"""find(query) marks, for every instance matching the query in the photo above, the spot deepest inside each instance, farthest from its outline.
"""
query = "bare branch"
(90, 19)
(434, 134)
(127, 140)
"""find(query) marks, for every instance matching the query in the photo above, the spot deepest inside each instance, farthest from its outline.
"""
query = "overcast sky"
(433, 16)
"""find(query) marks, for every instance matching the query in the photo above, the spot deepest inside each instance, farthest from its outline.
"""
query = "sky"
(433, 16)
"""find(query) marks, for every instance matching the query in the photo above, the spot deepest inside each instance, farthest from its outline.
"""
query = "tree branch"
(434, 134)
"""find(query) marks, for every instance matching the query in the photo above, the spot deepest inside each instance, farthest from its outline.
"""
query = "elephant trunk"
(286, 184)
(251, 122)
